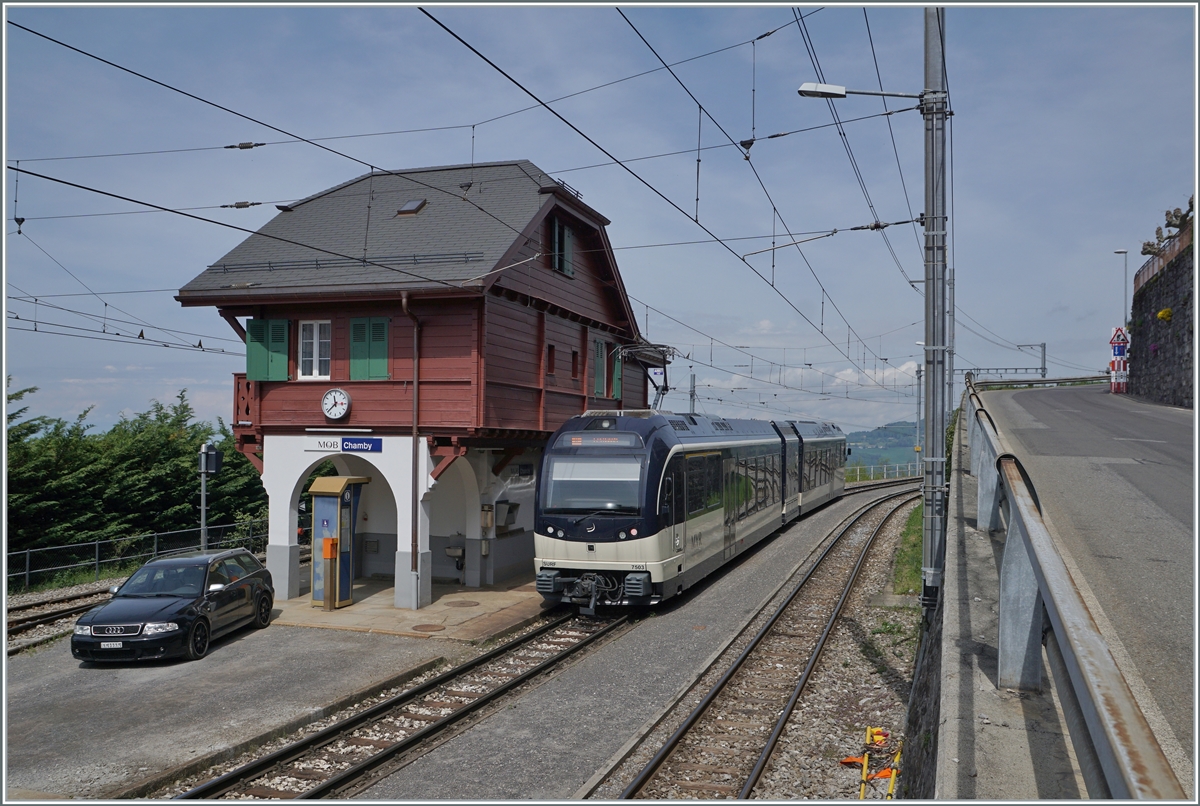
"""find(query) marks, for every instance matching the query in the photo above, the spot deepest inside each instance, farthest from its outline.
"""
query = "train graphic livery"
(634, 507)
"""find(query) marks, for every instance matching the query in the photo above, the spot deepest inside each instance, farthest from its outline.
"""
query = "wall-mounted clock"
(335, 404)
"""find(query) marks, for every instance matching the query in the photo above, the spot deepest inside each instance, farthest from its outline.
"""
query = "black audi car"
(175, 605)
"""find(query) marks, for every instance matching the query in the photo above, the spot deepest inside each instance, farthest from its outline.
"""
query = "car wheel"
(262, 611)
(197, 645)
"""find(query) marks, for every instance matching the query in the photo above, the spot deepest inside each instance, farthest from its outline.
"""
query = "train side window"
(713, 486)
(696, 482)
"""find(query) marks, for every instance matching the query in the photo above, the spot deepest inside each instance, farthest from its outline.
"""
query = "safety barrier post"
(1020, 647)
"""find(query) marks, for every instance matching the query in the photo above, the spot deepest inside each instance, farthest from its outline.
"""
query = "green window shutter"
(568, 258)
(616, 382)
(277, 349)
(369, 349)
(256, 350)
(598, 361)
(267, 350)
(377, 362)
(555, 244)
(360, 349)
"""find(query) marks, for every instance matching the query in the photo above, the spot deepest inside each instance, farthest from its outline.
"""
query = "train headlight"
(633, 532)
(560, 533)
(549, 530)
(621, 535)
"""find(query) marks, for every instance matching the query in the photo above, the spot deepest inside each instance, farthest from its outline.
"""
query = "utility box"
(335, 513)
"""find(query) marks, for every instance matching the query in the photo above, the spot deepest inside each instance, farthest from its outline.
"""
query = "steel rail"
(18, 608)
(651, 768)
(781, 723)
(255, 769)
(19, 625)
(340, 780)
(224, 783)
(1037, 591)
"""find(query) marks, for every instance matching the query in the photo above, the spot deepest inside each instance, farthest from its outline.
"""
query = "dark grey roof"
(460, 233)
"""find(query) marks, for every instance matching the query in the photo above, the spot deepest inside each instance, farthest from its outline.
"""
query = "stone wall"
(1161, 351)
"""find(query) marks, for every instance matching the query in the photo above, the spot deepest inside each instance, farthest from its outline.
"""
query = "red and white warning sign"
(1118, 367)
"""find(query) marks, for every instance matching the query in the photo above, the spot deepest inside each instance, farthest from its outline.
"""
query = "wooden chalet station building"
(426, 329)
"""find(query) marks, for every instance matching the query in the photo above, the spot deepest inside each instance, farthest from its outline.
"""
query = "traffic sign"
(1119, 336)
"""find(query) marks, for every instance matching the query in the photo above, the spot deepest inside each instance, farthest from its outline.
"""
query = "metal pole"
(933, 108)
(27, 569)
(97, 560)
(692, 398)
(203, 497)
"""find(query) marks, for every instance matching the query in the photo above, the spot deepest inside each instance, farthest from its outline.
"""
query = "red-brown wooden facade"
(484, 351)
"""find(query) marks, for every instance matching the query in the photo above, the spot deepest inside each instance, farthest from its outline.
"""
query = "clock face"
(335, 404)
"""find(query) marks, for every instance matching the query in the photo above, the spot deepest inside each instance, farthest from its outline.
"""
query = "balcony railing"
(1171, 249)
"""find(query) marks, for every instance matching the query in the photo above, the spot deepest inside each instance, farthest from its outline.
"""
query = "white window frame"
(314, 341)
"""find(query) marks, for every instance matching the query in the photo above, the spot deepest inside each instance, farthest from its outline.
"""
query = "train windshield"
(593, 484)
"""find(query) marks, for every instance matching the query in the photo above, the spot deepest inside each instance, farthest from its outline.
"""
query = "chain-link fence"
(62, 566)
(879, 472)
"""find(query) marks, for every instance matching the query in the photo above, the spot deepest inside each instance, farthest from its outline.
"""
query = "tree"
(66, 485)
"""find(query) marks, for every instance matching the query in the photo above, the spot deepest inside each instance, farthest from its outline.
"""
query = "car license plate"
(111, 644)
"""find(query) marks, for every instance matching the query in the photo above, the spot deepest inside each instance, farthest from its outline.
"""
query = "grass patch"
(906, 572)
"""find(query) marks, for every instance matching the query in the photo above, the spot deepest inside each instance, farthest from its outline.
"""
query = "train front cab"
(632, 512)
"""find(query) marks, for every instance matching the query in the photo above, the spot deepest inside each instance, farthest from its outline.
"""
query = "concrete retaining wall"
(1161, 352)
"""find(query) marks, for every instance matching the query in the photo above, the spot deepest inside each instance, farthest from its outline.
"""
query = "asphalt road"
(1116, 479)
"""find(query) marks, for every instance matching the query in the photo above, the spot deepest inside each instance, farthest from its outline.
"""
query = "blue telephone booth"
(335, 513)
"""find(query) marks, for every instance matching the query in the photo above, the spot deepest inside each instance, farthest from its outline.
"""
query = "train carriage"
(634, 507)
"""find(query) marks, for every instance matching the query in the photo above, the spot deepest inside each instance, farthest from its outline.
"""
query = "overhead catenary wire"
(762, 185)
(714, 239)
(82, 283)
(812, 54)
(630, 171)
(28, 300)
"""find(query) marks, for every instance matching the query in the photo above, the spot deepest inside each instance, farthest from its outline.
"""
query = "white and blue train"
(634, 507)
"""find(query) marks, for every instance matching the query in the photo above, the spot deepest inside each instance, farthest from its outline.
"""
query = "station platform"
(459, 613)
(993, 743)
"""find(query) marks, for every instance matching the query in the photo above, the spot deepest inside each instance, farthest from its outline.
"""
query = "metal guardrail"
(1117, 751)
(983, 386)
(856, 473)
(45, 565)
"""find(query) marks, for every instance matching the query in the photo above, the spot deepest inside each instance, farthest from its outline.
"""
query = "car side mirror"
(113, 590)
(216, 586)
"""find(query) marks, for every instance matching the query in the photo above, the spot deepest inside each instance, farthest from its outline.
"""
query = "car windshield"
(165, 580)
(593, 484)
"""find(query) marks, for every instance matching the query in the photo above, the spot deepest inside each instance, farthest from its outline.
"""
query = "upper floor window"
(562, 247)
(313, 359)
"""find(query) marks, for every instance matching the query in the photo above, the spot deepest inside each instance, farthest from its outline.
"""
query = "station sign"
(344, 444)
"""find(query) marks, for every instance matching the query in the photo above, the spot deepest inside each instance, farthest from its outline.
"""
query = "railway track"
(722, 747)
(36, 615)
(345, 756)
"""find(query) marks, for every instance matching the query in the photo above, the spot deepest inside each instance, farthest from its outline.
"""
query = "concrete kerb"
(147, 785)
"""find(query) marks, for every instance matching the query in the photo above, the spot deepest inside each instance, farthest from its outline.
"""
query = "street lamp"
(939, 279)
(1125, 287)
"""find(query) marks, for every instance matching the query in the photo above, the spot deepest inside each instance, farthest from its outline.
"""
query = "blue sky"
(1074, 129)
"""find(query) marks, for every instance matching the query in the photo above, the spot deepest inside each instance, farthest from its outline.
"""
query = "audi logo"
(113, 630)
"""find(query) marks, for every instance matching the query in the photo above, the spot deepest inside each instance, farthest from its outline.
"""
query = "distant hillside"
(889, 444)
